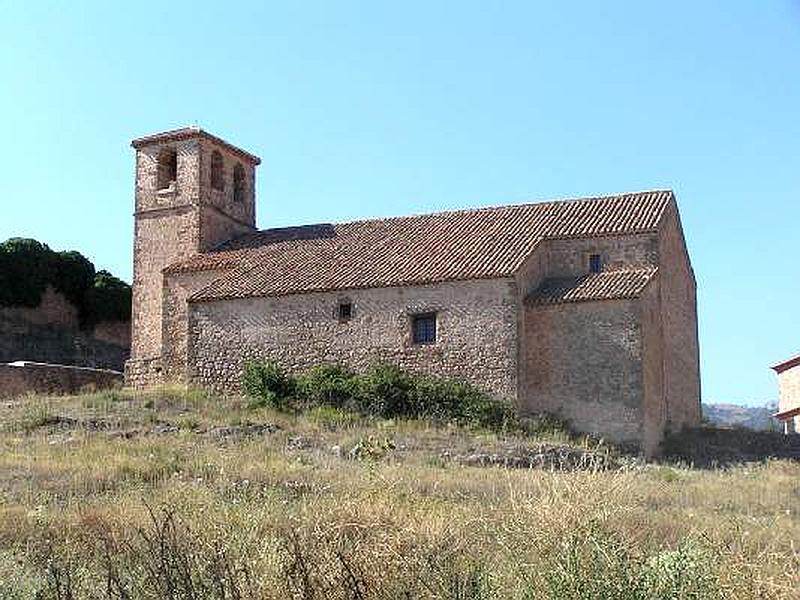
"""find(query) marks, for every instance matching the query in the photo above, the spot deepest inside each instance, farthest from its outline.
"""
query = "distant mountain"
(758, 418)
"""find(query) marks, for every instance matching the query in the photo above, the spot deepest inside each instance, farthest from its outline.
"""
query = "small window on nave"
(595, 263)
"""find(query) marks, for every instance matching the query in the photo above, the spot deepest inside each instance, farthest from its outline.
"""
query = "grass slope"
(174, 494)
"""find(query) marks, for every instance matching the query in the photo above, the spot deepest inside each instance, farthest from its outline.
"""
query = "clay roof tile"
(465, 244)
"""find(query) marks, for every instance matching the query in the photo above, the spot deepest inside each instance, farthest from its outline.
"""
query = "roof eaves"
(787, 364)
(650, 275)
(187, 133)
(199, 296)
(787, 414)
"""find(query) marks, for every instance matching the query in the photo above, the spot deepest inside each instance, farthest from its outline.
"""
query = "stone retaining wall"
(51, 333)
(20, 378)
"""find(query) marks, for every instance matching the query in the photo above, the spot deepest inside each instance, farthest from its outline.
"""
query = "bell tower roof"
(187, 133)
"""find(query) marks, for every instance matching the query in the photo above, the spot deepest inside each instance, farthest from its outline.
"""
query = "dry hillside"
(174, 494)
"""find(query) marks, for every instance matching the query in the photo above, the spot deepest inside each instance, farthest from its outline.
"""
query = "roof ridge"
(551, 202)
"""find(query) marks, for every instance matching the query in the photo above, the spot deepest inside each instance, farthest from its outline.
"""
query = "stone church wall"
(679, 322)
(570, 257)
(177, 288)
(222, 210)
(654, 403)
(174, 222)
(158, 236)
(583, 363)
(166, 231)
(476, 333)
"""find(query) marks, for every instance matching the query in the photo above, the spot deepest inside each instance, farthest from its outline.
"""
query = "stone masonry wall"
(221, 202)
(789, 392)
(177, 288)
(24, 378)
(143, 372)
(654, 402)
(584, 364)
(158, 238)
(54, 310)
(476, 333)
(679, 322)
(570, 257)
(172, 224)
(166, 230)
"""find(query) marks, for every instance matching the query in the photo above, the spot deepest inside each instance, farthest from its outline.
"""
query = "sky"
(362, 109)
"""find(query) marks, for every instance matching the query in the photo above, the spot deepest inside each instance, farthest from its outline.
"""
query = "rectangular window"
(595, 263)
(424, 328)
(345, 311)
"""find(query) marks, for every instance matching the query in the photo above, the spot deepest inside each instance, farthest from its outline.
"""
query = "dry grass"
(173, 494)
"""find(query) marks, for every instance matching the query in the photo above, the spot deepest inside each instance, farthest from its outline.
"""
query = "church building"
(582, 308)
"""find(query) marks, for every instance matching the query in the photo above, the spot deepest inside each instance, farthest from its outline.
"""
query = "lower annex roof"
(605, 285)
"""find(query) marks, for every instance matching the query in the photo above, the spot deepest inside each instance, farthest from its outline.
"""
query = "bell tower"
(193, 192)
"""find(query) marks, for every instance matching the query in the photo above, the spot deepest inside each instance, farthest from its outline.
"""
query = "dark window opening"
(424, 328)
(167, 168)
(238, 183)
(595, 263)
(345, 311)
(217, 182)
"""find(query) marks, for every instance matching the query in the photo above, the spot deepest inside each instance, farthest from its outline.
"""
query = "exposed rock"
(298, 442)
(163, 427)
(241, 431)
(552, 457)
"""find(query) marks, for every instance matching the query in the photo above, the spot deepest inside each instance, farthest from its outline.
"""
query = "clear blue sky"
(369, 108)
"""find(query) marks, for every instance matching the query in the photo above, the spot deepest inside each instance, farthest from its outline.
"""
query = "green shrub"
(327, 385)
(446, 399)
(686, 573)
(383, 390)
(593, 563)
(267, 384)
(387, 391)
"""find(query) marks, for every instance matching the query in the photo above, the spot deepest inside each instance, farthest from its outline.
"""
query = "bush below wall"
(382, 390)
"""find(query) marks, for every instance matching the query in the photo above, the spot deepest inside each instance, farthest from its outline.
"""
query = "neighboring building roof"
(787, 364)
(606, 285)
(466, 244)
(787, 414)
(188, 133)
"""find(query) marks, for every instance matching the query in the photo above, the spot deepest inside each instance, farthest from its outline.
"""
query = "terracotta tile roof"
(466, 244)
(606, 285)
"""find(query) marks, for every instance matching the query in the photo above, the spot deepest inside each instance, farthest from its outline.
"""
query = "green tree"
(109, 299)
